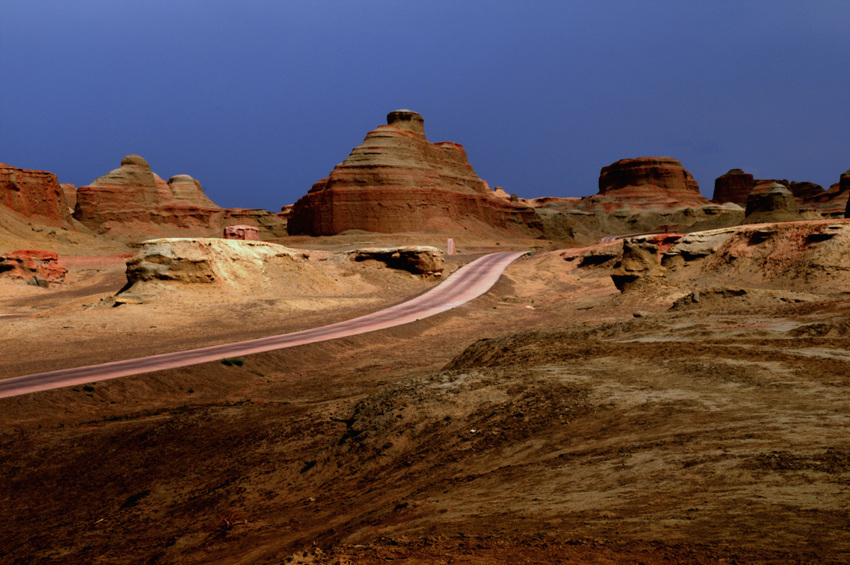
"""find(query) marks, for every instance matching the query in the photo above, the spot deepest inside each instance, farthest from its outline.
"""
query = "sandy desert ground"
(553, 420)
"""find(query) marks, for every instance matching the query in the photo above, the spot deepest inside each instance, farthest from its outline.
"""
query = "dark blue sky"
(258, 100)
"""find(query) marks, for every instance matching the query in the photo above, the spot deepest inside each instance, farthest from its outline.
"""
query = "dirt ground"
(553, 420)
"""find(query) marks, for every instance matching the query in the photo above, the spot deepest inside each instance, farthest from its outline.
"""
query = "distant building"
(247, 233)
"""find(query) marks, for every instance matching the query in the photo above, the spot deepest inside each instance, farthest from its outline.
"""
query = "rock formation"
(132, 195)
(133, 202)
(207, 261)
(36, 267)
(34, 194)
(645, 183)
(734, 186)
(640, 262)
(831, 203)
(419, 260)
(776, 204)
(398, 181)
(187, 189)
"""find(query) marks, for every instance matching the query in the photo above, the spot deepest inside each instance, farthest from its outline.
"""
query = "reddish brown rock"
(34, 194)
(734, 186)
(645, 183)
(36, 267)
(397, 181)
(134, 200)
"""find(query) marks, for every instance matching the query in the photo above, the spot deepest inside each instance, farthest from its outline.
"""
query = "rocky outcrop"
(398, 181)
(186, 189)
(734, 186)
(776, 204)
(34, 194)
(207, 261)
(645, 183)
(36, 267)
(640, 263)
(419, 260)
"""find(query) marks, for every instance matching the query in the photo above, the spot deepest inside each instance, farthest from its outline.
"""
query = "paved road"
(468, 283)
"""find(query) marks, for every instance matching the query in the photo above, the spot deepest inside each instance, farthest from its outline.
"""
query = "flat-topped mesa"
(34, 194)
(645, 182)
(397, 181)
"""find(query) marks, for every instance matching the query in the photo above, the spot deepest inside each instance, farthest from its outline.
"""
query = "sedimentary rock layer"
(35, 194)
(646, 183)
(397, 181)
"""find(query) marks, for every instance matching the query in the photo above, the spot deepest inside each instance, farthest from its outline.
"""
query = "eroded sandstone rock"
(775, 204)
(734, 186)
(243, 232)
(419, 260)
(35, 194)
(397, 181)
(207, 261)
(640, 261)
(35, 266)
(645, 183)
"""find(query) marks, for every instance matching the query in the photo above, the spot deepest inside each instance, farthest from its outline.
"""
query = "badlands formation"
(678, 395)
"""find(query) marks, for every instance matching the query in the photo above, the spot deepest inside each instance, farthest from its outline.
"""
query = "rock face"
(36, 267)
(640, 262)
(398, 181)
(659, 183)
(207, 261)
(35, 194)
(734, 186)
(419, 260)
(776, 204)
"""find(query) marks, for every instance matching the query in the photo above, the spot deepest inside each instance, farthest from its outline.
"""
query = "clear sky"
(260, 99)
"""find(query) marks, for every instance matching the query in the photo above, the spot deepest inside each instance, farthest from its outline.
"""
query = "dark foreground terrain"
(587, 427)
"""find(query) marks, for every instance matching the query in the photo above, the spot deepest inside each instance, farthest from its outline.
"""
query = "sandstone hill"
(132, 201)
(397, 181)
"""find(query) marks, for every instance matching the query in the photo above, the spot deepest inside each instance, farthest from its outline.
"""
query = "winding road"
(470, 282)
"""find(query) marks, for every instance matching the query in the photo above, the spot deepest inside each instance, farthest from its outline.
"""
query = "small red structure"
(247, 233)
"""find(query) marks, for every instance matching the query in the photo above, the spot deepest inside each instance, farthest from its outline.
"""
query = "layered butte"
(34, 194)
(645, 182)
(398, 181)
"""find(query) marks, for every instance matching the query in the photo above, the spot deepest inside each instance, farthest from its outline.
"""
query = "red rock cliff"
(35, 194)
(734, 186)
(397, 181)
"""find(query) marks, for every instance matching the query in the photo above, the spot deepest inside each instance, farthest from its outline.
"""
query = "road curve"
(470, 282)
